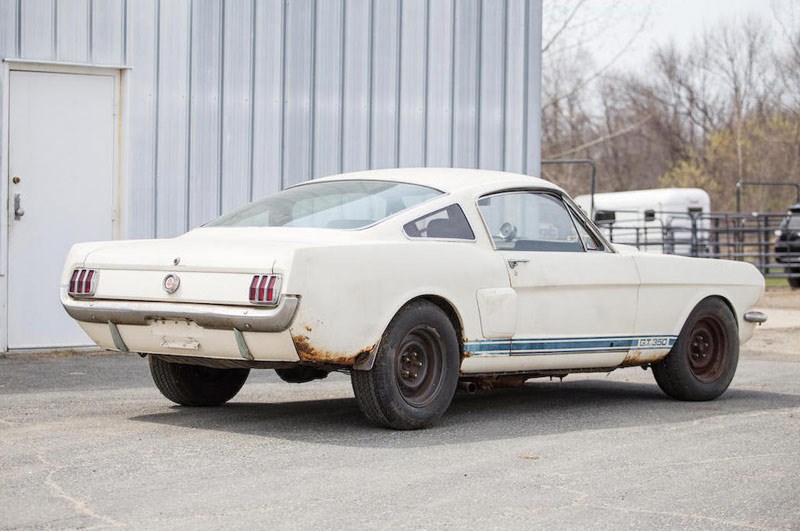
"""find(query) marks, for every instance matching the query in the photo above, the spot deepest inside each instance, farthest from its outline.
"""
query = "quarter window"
(530, 221)
(590, 241)
(448, 223)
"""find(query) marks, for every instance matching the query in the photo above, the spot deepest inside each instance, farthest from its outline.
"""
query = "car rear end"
(190, 296)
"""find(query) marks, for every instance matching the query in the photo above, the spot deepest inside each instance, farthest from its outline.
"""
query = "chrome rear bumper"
(219, 317)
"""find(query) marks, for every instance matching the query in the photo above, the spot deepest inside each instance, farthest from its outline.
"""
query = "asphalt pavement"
(87, 441)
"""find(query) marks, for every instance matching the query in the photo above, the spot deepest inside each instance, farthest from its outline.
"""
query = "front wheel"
(703, 360)
(195, 385)
(416, 369)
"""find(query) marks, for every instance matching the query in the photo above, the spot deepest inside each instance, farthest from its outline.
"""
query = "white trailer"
(672, 220)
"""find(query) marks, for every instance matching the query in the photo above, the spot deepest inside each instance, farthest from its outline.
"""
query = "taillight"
(82, 283)
(265, 289)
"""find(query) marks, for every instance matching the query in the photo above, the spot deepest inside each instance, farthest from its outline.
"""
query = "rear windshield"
(329, 205)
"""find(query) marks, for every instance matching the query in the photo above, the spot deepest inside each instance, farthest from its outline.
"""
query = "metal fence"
(731, 236)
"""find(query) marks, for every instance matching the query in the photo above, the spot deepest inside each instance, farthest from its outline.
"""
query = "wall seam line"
(282, 140)
(221, 109)
(312, 91)
(253, 33)
(370, 81)
(398, 83)
(188, 176)
(452, 81)
(157, 117)
(342, 59)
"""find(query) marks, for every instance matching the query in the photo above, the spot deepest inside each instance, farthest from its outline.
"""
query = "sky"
(677, 20)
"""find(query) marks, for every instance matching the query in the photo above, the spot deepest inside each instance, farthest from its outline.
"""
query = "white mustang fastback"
(416, 282)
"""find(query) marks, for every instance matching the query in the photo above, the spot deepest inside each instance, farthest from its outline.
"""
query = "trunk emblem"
(171, 283)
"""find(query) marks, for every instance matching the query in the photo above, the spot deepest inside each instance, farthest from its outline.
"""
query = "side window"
(449, 223)
(590, 241)
(530, 221)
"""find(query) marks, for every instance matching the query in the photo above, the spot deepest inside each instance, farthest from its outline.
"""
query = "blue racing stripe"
(567, 345)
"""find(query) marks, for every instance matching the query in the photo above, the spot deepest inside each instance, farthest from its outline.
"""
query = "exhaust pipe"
(470, 387)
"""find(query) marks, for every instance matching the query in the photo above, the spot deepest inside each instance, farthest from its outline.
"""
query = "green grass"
(776, 282)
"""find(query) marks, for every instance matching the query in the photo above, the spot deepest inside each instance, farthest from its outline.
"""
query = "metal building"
(145, 118)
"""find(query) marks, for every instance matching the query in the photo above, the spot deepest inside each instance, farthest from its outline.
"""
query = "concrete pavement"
(87, 441)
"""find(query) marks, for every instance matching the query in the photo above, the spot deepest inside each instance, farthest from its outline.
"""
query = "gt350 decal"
(654, 342)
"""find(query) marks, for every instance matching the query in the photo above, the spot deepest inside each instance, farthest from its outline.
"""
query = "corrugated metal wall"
(229, 101)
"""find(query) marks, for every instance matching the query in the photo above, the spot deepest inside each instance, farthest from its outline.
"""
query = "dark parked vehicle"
(787, 246)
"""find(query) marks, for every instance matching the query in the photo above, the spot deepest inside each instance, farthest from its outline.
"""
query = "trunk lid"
(215, 265)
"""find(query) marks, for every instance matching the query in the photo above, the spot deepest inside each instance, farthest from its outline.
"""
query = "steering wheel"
(507, 232)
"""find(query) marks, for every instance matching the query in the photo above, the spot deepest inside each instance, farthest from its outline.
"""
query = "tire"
(193, 385)
(416, 370)
(794, 282)
(703, 360)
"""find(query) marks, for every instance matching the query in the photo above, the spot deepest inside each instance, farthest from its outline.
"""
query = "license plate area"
(181, 334)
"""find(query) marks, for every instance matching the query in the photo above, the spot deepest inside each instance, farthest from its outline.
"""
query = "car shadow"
(539, 408)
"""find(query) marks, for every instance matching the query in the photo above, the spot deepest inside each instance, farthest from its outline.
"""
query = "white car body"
(514, 311)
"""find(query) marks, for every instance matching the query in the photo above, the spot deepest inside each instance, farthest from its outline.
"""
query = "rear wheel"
(416, 370)
(194, 385)
(703, 360)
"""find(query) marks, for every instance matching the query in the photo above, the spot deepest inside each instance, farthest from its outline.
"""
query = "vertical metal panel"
(440, 84)
(236, 111)
(357, 64)
(516, 84)
(37, 29)
(8, 29)
(107, 31)
(385, 84)
(268, 98)
(328, 87)
(292, 89)
(533, 124)
(72, 31)
(173, 118)
(492, 91)
(297, 116)
(204, 139)
(413, 71)
(465, 83)
(138, 205)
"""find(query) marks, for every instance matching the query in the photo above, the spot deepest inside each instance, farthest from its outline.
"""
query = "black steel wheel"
(703, 360)
(195, 385)
(416, 370)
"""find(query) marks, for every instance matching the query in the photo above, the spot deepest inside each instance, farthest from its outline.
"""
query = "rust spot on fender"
(309, 353)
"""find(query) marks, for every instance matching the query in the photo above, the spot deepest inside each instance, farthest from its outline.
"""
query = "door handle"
(18, 210)
(514, 262)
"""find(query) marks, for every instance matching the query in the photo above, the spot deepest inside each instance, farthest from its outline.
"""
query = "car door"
(576, 297)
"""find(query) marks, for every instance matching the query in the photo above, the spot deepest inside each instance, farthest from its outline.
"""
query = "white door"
(62, 130)
(576, 302)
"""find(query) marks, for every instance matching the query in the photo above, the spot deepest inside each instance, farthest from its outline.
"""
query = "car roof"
(447, 179)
